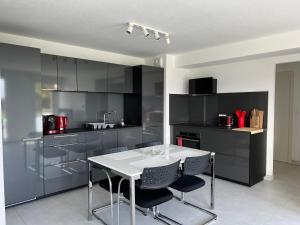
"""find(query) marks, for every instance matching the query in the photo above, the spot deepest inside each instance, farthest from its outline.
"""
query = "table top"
(131, 163)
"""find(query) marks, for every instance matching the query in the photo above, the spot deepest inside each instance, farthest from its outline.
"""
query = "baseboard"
(295, 163)
(269, 177)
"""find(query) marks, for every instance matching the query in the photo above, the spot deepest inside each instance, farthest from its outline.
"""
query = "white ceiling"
(193, 24)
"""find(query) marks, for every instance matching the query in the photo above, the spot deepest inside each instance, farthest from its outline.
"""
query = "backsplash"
(82, 107)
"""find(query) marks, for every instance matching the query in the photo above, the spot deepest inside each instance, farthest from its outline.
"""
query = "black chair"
(111, 183)
(151, 190)
(189, 181)
(147, 144)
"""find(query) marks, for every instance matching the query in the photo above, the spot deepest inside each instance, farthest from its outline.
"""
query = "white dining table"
(130, 165)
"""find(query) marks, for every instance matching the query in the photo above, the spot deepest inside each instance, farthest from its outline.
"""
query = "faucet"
(105, 115)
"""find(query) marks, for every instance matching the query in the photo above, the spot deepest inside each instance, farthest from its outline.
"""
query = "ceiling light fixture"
(168, 41)
(130, 28)
(147, 30)
(156, 35)
(146, 33)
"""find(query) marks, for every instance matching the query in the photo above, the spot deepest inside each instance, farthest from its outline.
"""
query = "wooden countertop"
(249, 130)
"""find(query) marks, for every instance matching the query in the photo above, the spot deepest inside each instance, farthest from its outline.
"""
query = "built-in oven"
(188, 139)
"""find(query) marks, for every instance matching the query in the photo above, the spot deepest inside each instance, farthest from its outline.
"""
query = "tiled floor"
(267, 203)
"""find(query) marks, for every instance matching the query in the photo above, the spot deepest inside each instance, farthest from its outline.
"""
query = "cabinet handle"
(189, 139)
(32, 139)
(64, 136)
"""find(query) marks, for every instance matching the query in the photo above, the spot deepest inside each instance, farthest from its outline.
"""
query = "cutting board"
(249, 129)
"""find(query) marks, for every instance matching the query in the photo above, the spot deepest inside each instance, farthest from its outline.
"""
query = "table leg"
(90, 193)
(132, 201)
(212, 187)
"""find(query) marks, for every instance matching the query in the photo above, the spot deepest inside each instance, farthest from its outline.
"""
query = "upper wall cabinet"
(66, 71)
(49, 72)
(119, 78)
(91, 76)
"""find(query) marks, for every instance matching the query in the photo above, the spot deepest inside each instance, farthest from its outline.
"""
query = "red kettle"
(241, 117)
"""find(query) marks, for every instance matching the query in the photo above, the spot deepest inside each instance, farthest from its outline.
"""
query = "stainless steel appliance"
(225, 120)
(187, 139)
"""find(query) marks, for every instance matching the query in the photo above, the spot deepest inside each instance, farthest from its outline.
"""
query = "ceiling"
(193, 24)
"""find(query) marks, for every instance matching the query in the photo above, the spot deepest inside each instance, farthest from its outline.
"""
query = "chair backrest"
(160, 177)
(114, 150)
(196, 165)
(147, 144)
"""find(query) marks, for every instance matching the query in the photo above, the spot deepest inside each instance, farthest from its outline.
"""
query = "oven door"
(188, 142)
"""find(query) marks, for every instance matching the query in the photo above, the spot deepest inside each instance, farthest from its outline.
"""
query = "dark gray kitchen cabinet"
(240, 156)
(66, 72)
(20, 69)
(152, 103)
(109, 140)
(129, 137)
(91, 76)
(94, 143)
(49, 72)
(119, 79)
(65, 163)
(57, 178)
(232, 153)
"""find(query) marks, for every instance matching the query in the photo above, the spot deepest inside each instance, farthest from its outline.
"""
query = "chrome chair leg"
(106, 206)
(118, 199)
(158, 214)
(182, 199)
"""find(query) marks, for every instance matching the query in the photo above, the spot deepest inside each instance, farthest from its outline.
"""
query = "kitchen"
(142, 116)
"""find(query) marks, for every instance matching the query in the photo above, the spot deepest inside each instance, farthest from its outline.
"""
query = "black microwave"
(201, 86)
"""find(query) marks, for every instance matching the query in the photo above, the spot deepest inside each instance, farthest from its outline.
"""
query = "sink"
(97, 126)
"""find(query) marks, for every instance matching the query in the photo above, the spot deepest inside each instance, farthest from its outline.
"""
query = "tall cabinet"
(148, 99)
(20, 69)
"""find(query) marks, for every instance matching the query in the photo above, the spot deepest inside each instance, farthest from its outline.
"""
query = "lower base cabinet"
(65, 162)
(240, 156)
(65, 176)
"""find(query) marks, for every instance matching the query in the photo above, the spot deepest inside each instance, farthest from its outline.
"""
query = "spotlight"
(168, 41)
(156, 35)
(130, 28)
(146, 33)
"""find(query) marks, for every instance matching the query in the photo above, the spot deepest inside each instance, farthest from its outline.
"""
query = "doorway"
(287, 119)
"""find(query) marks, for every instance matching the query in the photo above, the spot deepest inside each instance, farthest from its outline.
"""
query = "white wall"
(56, 48)
(175, 83)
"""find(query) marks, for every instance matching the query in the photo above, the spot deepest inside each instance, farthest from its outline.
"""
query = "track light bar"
(147, 30)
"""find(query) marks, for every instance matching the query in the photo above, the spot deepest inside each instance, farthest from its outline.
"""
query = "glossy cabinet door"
(49, 72)
(20, 69)
(119, 79)
(66, 70)
(152, 103)
(110, 140)
(129, 137)
(94, 143)
(232, 153)
(91, 76)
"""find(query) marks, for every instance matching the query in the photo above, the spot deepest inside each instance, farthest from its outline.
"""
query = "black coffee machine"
(49, 124)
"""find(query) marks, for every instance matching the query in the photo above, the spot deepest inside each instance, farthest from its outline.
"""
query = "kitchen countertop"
(82, 129)
(216, 127)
